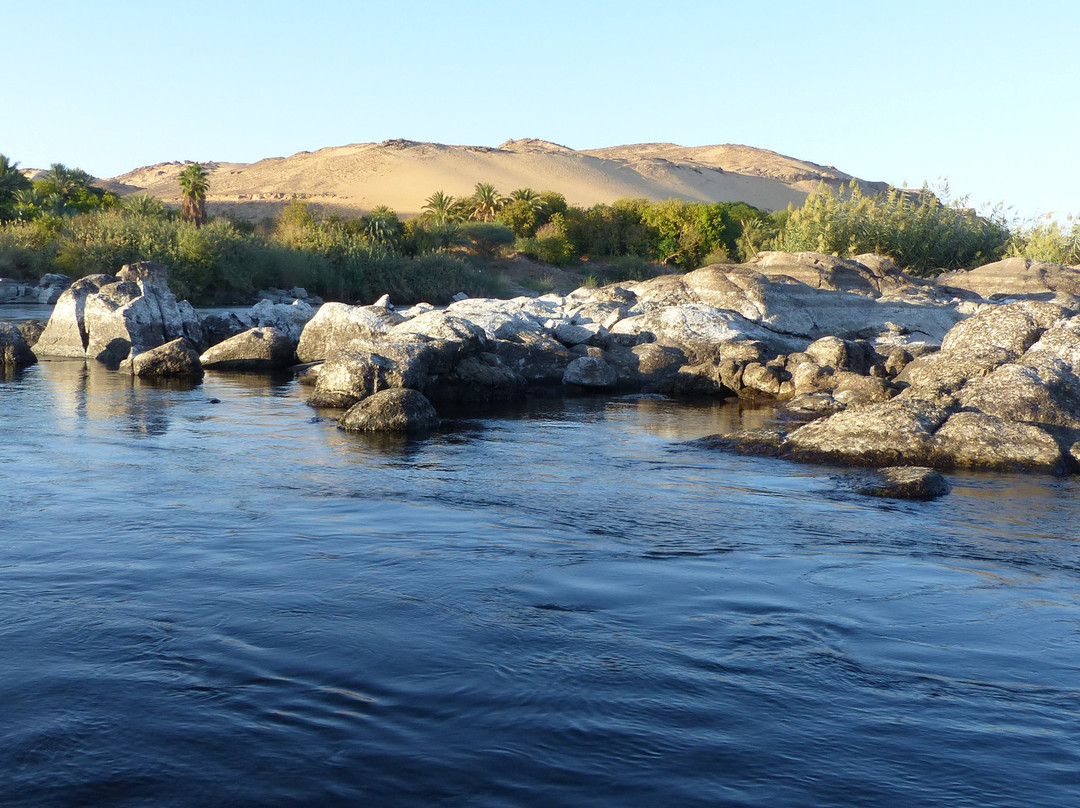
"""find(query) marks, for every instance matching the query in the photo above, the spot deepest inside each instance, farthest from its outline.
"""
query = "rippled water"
(235, 603)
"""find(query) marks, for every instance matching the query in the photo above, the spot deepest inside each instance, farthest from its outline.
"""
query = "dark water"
(235, 604)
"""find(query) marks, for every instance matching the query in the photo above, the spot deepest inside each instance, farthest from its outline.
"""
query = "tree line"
(63, 222)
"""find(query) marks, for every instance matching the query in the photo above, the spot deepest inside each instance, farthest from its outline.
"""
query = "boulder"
(395, 410)
(287, 319)
(14, 352)
(441, 325)
(887, 434)
(219, 326)
(647, 367)
(535, 356)
(336, 324)
(477, 379)
(364, 367)
(979, 441)
(592, 372)
(829, 272)
(698, 330)
(257, 349)
(65, 334)
(178, 358)
(1016, 279)
(791, 308)
(1013, 327)
(1047, 394)
(50, 286)
(900, 482)
(31, 331)
(499, 319)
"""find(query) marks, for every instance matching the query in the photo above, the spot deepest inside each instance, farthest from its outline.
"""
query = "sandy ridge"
(402, 174)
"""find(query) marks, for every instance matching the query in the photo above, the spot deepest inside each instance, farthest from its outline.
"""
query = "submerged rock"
(901, 482)
(396, 410)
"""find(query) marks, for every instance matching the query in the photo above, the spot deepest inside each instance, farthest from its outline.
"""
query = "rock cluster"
(1002, 393)
(47, 290)
(872, 368)
(112, 318)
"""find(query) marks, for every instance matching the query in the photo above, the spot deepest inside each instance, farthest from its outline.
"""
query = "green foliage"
(917, 230)
(1049, 241)
(12, 182)
(551, 244)
(486, 239)
(441, 209)
(194, 184)
(145, 205)
(486, 202)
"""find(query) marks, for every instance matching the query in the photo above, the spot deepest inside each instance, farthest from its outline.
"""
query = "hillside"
(403, 173)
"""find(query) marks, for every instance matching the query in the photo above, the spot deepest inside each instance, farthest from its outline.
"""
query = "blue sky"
(981, 93)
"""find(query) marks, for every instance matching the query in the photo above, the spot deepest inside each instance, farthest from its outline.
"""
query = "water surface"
(236, 603)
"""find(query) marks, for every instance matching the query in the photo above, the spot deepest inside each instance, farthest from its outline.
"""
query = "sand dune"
(402, 174)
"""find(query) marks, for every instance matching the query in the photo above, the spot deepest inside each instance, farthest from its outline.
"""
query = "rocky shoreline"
(870, 367)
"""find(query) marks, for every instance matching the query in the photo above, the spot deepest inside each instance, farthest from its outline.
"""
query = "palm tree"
(383, 226)
(11, 179)
(440, 208)
(145, 205)
(193, 186)
(528, 197)
(486, 202)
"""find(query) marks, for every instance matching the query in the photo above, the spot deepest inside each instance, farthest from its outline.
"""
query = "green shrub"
(916, 229)
(1047, 241)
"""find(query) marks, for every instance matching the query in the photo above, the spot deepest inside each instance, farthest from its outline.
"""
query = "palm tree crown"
(487, 202)
(193, 186)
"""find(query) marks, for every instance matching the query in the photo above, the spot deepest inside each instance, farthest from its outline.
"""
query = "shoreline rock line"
(869, 367)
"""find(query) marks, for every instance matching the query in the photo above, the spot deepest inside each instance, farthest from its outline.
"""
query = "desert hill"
(403, 173)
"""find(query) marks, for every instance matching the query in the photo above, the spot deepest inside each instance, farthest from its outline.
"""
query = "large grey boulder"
(829, 272)
(499, 319)
(795, 309)
(977, 440)
(592, 372)
(287, 319)
(441, 325)
(535, 356)
(178, 358)
(364, 367)
(257, 349)
(65, 333)
(336, 324)
(395, 410)
(1017, 279)
(50, 286)
(14, 352)
(697, 329)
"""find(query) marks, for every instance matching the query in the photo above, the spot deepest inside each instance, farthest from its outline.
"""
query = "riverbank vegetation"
(63, 223)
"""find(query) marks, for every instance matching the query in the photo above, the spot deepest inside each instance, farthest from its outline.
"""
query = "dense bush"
(1047, 240)
(916, 229)
(219, 262)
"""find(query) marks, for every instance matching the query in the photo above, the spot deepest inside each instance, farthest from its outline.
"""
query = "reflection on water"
(209, 594)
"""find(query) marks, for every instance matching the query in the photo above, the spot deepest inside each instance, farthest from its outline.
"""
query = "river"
(210, 595)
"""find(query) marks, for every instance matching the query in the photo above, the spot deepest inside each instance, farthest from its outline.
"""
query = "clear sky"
(981, 93)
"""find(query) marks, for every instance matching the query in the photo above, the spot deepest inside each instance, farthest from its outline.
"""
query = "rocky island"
(868, 367)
